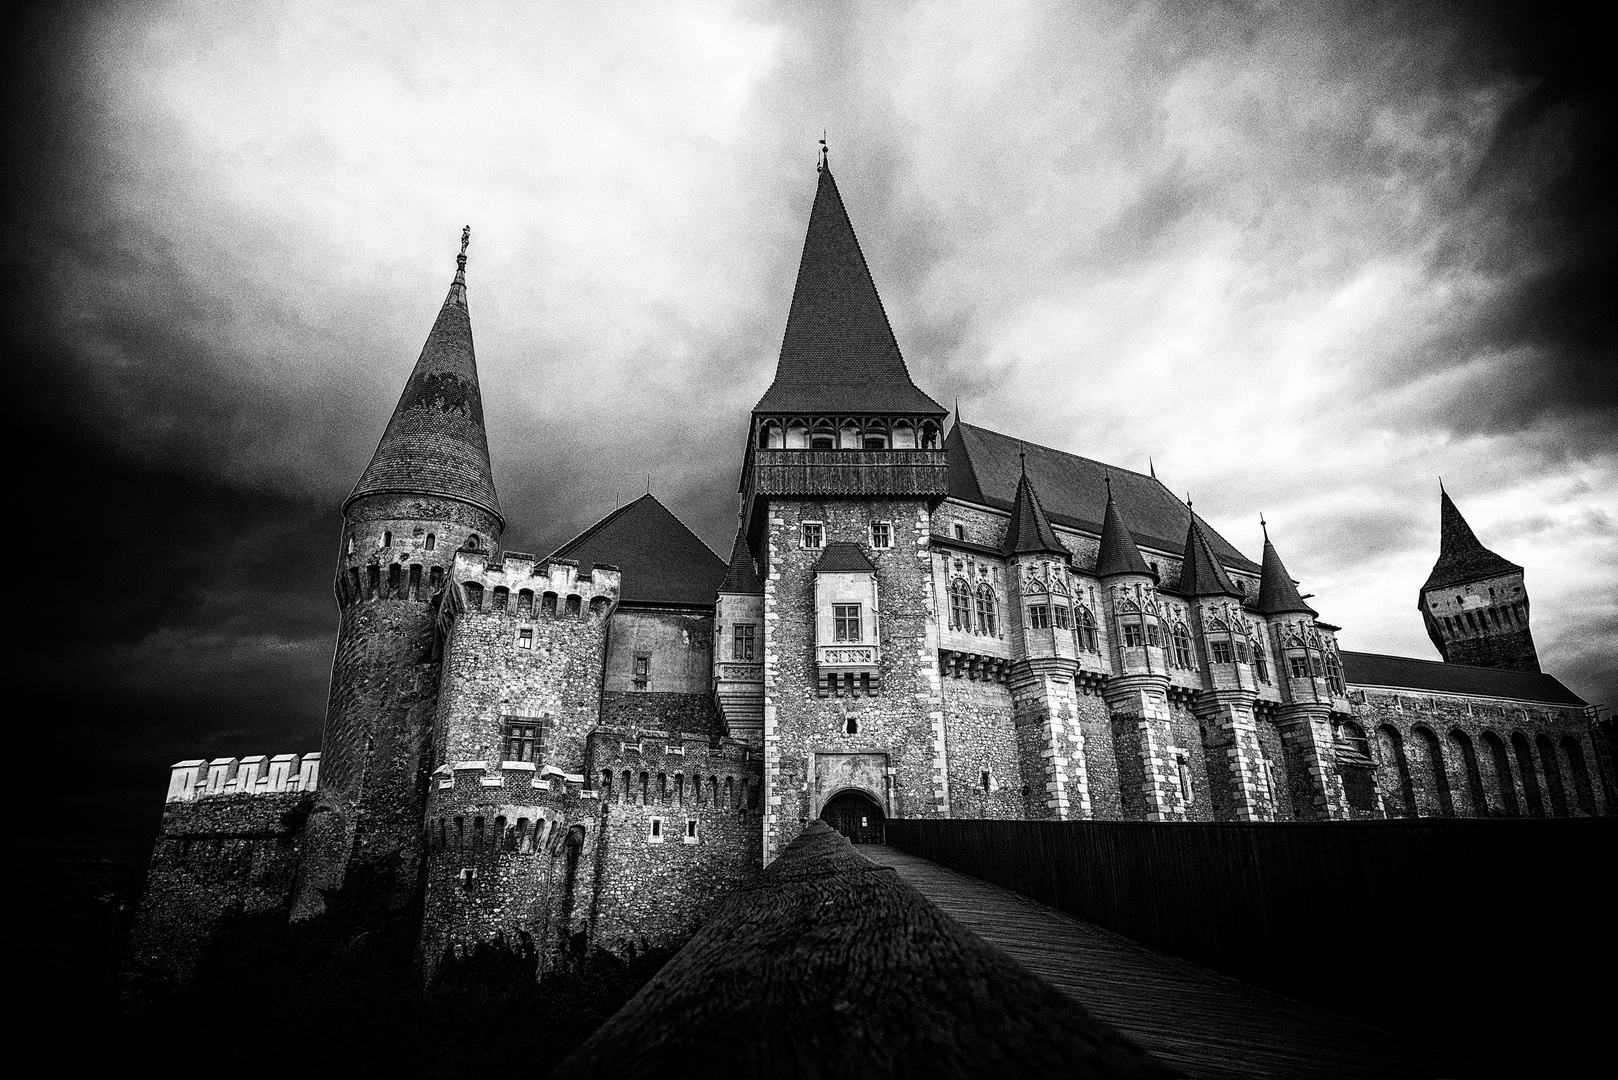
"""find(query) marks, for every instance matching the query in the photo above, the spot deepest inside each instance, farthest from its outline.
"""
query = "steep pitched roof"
(1029, 530)
(1376, 669)
(1118, 554)
(1461, 557)
(742, 576)
(839, 353)
(984, 468)
(435, 443)
(1200, 571)
(662, 561)
(1277, 593)
(842, 555)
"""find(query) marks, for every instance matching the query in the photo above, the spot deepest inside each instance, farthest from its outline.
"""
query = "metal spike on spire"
(824, 153)
(1263, 525)
(1151, 466)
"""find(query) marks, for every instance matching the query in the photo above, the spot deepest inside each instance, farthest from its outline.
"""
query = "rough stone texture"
(653, 891)
(215, 857)
(679, 645)
(677, 712)
(982, 737)
(900, 718)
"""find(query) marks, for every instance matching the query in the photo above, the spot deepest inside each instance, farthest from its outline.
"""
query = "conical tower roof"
(1030, 531)
(1118, 554)
(839, 353)
(1461, 557)
(1201, 573)
(741, 577)
(1277, 593)
(435, 443)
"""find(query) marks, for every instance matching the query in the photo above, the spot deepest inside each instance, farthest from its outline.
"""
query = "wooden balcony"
(914, 473)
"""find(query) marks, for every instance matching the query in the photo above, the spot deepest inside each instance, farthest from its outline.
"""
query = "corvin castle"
(584, 750)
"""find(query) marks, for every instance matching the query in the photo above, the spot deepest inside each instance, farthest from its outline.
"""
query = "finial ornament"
(823, 151)
(466, 238)
(1263, 525)
(1107, 476)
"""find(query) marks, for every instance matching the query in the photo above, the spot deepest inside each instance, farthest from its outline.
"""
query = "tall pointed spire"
(1277, 593)
(1029, 531)
(1118, 554)
(1201, 572)
(1461, 556)
(839, 352)
(435, 443)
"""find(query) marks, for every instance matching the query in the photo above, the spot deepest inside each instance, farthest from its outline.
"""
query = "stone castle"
(917, 619)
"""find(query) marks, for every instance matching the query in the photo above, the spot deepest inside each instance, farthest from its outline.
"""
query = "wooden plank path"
(1194, 1019)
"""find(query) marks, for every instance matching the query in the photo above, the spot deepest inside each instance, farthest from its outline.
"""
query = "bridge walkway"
(1195, 1019)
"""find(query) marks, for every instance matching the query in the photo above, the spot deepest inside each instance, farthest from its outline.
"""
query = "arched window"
(904, 435)
(797, 435)
(1433, 769)
(501, 596)
(1393, 772)
(1530, 776)
(876, 435)
(1261, 662)
(474, 595)
(960, 605)
(432, 542)
(769, 435)
(1460, 747)
(547, 604)
(988, 612)
(525, 603)
(849, 435)
(574, 603)
(929, 435)
(473, 543)
(823, 437)
(1334, 675)
(1583, 793)
(1182, 646)
(851, 726)
(1087, 631)
(598, 606)
(387, 538)
(1553, 776)
(1500, 761)
(1184, 769)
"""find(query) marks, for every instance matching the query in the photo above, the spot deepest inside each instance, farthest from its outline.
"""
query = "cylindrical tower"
(427, 493)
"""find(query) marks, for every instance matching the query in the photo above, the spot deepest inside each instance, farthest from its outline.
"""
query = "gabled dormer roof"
(840, 555)
(1277, 592)
(742, 576)
(661, 560)
(435, 443)
(839, 353)
(1118, 554)
(1461, 557)
(1029, 531)
(1201, 573)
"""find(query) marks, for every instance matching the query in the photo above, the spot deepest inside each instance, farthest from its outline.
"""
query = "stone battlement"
(634, 746)
(479, 776)
(518, 572)
(255, 774)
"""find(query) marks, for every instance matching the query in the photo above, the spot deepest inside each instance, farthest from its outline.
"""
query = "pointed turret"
(1029, 532)
(1118, 554)
(435, 444)
(1475, 603)
(741, 578)
(1201, 572)
(1277, 593)
(1461, 556)
(839, 353)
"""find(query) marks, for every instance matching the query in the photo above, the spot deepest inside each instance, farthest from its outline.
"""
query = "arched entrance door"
(856, 815)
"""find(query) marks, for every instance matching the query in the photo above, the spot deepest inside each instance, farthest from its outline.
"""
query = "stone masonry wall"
(982, 735)
(905, 718)
(673, 712)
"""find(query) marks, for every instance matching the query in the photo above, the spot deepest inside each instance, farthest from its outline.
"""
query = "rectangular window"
(1152, 637)
(814, 534)
(1241, 651)
(1132, 635)
(1219, 651)
(1062, 621)
(1039, 617)
(881, 534)
(654, 833)
(643, 671)
(522, 742)
(690, 830)
(846, 622)
(960, 532)
(525, 639)
(1298, 667)
(742, 647)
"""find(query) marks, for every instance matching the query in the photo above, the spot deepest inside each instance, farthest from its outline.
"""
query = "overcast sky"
(1306, 258)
